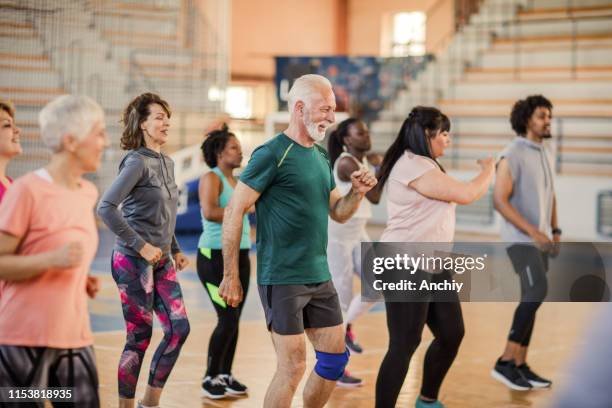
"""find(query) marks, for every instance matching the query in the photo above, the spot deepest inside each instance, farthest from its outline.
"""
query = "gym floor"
(558, 332)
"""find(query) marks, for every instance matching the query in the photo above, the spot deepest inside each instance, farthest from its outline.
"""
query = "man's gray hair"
(303, 88)
(68, 114)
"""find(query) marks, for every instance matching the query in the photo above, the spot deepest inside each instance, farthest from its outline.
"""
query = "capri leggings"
(145, 289)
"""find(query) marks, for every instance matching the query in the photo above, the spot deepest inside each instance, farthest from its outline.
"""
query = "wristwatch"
(557, 231)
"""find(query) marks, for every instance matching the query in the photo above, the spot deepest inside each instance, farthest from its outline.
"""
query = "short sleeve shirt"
(49, 310)
(412, 216)
(295, 183)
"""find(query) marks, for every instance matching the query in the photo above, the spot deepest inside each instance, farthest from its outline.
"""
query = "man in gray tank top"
(524, 195)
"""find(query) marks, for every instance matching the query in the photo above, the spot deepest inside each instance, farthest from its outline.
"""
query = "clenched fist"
(230, 291)
(150, 253)
(363, 181)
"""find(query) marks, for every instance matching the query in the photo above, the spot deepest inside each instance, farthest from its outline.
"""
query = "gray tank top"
(532, 187)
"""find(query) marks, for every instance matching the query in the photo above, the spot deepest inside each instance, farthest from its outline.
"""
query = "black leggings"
(42, 367)
(405, 321)
(531, 265)
(224, 338)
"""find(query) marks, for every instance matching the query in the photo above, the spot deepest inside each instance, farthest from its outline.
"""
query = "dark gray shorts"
(290, 309)
(42, 367)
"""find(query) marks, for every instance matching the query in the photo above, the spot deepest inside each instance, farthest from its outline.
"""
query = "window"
(408, 34)
(215, 94)
(239, 102)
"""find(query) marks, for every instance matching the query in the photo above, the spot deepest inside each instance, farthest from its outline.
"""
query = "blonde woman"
(48, 239)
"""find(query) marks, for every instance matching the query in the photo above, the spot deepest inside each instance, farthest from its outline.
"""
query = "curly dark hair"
(214, 144)
(134, 114)
(523, 109)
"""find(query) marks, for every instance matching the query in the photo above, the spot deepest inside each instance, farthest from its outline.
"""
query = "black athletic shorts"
(290, 309)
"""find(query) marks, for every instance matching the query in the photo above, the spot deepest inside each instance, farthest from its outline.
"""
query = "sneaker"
(535, 380)
(507, 373)
(419, 403)
(233, 386)
(213, 388)
(351, 342)
(348, 381)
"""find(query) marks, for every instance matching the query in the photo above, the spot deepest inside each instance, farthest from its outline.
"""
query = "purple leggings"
(145, 289)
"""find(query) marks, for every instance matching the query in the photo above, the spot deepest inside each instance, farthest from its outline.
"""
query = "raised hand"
(363, 181)
(486, 164)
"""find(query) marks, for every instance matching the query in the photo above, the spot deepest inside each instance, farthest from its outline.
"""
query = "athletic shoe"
(419, 403)
(507, 373)
(351, 342)
(233, 386)
(535, 380)
(348, 381)
(213, 388)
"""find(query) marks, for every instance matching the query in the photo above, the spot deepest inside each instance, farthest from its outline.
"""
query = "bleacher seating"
(111, 51)
(508, 50)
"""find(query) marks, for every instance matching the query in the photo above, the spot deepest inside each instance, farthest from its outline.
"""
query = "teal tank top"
(211, 231)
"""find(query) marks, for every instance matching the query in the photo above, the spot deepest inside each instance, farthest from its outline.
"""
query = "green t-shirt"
(295, 184)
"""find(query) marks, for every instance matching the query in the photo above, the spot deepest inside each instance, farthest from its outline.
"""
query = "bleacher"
(508, 50)
(160, 46)
(111, 51)
(28, 79)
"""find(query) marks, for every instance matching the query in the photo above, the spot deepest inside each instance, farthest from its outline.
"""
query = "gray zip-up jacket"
(149, 196)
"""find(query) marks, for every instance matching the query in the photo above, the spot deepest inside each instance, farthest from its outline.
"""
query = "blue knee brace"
(331, 365)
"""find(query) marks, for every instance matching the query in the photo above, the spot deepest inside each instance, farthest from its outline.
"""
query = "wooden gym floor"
(557, 334)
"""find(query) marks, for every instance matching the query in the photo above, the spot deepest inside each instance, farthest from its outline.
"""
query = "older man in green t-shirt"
(290, 180)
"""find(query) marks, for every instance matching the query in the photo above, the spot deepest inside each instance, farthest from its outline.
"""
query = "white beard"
(313, 131)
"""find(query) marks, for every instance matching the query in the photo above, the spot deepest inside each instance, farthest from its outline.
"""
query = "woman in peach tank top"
(421, 201)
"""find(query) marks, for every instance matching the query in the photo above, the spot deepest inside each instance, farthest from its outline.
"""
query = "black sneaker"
(351, 342)
(233, 386)
(347, 380)
(507, 373)
(535, 380)
(213, 388)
